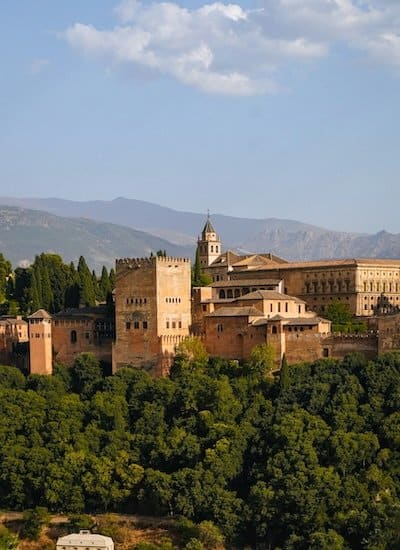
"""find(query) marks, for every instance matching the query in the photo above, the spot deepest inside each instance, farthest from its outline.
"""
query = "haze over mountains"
(104, 230)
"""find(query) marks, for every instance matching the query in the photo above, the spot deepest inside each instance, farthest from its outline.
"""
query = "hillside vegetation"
(309, 460)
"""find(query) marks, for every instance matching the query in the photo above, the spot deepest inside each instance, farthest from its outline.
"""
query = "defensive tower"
(40, 344)
(152, 311)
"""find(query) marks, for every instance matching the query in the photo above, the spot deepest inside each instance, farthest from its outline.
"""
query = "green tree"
(33, 522)
(262, 359)
(198, 277)
(86, 374)
(8, 540)
(5, 272)
(190, 354)
(104, 285)
(210, 535)
(284, 379)
(86, 287)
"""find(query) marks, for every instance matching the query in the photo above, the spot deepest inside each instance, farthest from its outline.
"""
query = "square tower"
(152, 311)
(40, 343)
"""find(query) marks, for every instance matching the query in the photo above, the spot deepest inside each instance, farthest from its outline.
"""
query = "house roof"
(40, 314)
(299, 321)
(226, 258)
(208, 227)
(350, 262)
(236, 312)
(269, 295)
(86, 539)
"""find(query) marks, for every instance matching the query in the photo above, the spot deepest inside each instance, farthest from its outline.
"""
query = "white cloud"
(226, 49)
(38, 65)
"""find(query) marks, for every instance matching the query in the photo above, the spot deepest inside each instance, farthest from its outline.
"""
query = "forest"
(51, 284)
(309, 459)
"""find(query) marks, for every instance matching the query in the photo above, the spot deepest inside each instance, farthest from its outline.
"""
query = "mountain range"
(104, 230)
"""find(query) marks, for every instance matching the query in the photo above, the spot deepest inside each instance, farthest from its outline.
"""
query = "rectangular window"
(167, 324)
(145, 325)
(180, 324)
(128, 325)
(173, 324)
(136, 324)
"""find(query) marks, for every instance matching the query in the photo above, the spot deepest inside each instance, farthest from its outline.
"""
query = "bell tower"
(208, 245)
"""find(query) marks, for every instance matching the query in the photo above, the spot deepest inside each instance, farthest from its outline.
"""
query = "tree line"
(307, 460)
(51, 284)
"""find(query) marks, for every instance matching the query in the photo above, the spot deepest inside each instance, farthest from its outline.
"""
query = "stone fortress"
(253, 299)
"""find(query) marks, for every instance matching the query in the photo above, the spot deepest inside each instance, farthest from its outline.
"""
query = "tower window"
(136, 324)
(128, 325)
(73, 336)
(145, 325)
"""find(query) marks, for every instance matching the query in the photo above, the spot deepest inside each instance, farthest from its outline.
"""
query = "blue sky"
(275, 108)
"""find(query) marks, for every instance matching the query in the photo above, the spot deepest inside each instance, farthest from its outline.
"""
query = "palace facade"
(253, 299)
(357, 282)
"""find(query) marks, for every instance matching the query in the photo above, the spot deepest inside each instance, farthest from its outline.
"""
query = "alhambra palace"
(253, 299)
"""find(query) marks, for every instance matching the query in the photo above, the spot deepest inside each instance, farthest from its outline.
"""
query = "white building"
(85, 540)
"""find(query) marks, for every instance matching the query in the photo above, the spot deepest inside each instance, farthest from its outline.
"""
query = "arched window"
(222, 294)
(229, 293)
(73, 336)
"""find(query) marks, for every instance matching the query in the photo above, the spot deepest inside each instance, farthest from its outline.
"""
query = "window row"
(329, 286)
(74, 336)
(173, 300)
(173, 324)
(383, 274)
(136, 325)
(136, 301)
(378, 287)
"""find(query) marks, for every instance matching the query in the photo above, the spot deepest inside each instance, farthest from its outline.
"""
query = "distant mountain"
(289, 239)
(25, 233)
(172, 225)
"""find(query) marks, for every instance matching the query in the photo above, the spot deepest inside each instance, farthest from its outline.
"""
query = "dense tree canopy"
(309, 460)
(51, 284)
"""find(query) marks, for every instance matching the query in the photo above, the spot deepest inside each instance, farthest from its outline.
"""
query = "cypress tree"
(196, 273)
(87, 291)
(284, 375)
(104, 284)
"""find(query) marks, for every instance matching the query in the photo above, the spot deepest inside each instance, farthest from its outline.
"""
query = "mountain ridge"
(156, 227)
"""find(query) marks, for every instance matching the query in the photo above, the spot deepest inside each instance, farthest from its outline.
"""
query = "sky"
(266, 108)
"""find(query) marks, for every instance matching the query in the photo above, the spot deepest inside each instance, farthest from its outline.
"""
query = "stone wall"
(74, 336)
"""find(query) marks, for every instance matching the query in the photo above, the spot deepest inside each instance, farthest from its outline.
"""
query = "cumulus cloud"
(226, 49)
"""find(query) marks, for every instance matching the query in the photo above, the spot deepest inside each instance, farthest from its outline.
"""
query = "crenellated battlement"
(137, 263)
(123, 265)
